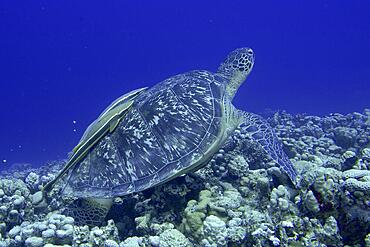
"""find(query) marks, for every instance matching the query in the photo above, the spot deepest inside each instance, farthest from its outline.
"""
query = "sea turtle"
(150, 136)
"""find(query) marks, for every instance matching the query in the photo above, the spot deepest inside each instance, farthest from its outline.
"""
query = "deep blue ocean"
(63, 62)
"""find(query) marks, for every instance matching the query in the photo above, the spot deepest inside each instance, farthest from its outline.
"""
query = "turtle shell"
(167, 132)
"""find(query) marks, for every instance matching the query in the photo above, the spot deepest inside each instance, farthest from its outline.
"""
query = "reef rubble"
(241, 198)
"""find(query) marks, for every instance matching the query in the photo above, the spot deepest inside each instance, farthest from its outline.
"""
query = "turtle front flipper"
(260, 131)
(89, 211)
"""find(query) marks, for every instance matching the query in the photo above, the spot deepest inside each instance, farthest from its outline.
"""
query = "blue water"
(63, 62)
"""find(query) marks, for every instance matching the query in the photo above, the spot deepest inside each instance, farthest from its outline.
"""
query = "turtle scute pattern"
(169, 126)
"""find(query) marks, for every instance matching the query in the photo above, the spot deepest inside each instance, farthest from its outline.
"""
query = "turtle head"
(236, 68)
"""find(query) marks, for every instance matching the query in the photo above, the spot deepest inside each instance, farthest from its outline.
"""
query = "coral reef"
(240, 198)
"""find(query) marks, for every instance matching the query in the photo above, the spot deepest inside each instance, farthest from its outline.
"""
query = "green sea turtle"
(150, 136)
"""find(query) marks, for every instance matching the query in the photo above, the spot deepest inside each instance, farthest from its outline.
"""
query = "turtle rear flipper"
(262, 133)
(89, 211)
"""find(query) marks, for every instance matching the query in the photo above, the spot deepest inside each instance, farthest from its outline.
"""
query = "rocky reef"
(241, 198)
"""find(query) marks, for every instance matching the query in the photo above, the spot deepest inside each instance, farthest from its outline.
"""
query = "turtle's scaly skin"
(262, 133)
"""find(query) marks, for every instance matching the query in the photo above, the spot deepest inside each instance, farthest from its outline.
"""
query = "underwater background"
(297, 176)
(62, 63)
